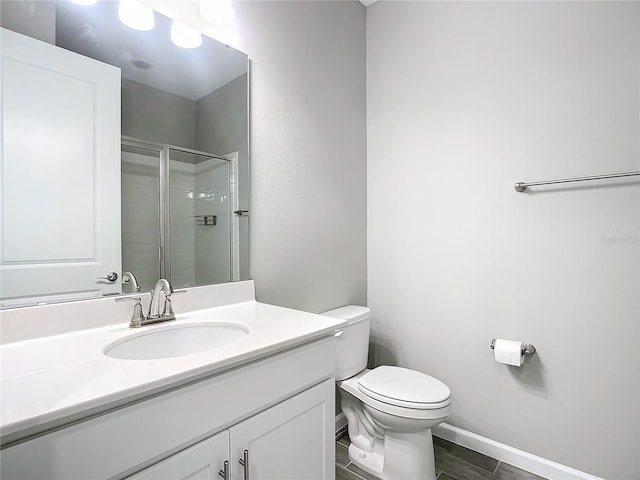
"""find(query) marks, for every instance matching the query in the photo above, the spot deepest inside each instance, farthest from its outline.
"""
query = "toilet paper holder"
(527, 348)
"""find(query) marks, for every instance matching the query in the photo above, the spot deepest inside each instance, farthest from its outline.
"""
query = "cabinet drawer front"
(121, 442)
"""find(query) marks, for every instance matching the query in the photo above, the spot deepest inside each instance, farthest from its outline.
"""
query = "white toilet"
(390, 411)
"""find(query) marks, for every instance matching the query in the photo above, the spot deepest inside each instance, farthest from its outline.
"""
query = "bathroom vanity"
(258, 406)
(232, 385)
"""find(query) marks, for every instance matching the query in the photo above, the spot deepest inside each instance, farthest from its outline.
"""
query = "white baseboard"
(518, 458)
(526, 461)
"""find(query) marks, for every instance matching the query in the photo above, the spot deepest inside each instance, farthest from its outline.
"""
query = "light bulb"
(136, 15)
(217, 12)
(184, 36)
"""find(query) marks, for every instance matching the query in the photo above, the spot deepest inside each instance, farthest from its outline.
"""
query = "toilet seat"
(435, 411)
(403, 387)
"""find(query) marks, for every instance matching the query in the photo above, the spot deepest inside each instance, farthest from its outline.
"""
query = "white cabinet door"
(293, 440)
(59, 175)
(203, 461)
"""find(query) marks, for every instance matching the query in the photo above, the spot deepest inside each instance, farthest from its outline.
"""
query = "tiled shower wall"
(140, 239)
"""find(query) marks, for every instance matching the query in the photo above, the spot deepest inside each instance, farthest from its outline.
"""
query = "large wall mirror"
(122, 152)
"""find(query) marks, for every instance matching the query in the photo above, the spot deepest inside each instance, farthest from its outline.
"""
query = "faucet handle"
(137, 317)
(168, 308)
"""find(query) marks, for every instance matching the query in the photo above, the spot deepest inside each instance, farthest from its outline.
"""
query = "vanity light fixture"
(185, 36)
(136, 15)
(216, 12)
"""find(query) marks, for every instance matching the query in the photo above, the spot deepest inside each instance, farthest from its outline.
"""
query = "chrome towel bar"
(522, 186)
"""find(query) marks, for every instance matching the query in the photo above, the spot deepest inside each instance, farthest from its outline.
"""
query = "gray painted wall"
(464, 100)
(158, 116)
(221, 119)
(34, 18)
(308, 151)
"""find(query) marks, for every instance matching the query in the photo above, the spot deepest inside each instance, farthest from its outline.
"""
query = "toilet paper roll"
(509, 352)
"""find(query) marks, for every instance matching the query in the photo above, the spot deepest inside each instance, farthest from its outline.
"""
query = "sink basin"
(177, 341)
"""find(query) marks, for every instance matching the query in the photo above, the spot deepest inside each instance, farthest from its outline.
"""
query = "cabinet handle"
(245, 463)
(224, 473)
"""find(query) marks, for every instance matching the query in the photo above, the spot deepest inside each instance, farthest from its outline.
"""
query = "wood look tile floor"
(453, 462)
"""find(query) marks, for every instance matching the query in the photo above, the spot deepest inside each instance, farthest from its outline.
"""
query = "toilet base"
(407, 456)
(370, 462)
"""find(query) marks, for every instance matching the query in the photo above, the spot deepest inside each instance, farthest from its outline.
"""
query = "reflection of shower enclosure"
(176, 215)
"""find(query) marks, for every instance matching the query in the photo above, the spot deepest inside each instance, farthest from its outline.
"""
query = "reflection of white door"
(60, 175)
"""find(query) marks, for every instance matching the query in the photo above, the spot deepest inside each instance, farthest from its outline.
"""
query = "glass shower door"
(200, 218)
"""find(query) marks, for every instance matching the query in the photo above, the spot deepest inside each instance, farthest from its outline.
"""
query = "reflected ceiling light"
(184, 36)
(135, 15)
(217, 12)
(86, 3)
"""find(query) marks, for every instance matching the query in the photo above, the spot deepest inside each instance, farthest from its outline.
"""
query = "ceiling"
(95, 31)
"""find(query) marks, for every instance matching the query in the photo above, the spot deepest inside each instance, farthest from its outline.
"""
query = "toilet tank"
(352, 341)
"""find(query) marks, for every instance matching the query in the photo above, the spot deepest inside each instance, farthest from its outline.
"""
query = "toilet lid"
(404, 387)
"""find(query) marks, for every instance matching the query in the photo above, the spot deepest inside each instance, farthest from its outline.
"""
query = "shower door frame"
(164, 200)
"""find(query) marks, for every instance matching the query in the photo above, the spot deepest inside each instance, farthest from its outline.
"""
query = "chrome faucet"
(155, 315)
(162, 285)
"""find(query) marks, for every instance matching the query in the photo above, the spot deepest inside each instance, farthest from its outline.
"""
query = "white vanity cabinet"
(279, 408)
(290, 441)
(286, 442)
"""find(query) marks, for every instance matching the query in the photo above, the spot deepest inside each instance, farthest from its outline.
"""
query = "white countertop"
(46, 382)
